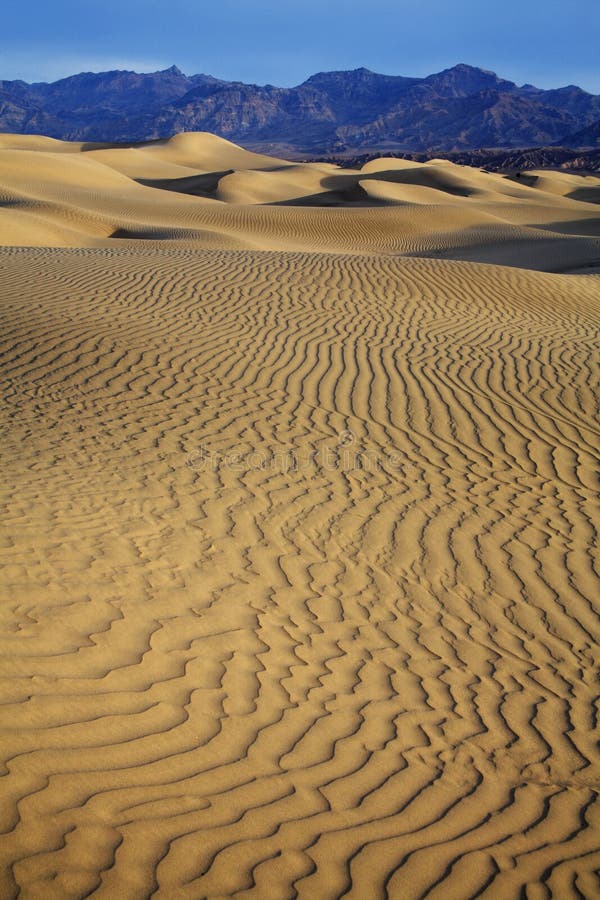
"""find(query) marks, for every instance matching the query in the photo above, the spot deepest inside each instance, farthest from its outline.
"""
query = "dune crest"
(299, 529)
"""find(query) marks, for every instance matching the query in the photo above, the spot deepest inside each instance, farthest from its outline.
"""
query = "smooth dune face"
(300, 586)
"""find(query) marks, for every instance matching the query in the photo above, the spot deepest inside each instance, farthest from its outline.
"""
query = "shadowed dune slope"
(299, 530)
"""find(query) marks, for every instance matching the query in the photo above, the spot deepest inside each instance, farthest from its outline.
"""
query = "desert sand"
(299, 526)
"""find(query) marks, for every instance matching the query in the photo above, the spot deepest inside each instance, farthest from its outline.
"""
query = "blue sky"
(548, 43)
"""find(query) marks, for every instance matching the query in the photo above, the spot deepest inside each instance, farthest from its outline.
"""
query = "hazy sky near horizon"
(549, 43)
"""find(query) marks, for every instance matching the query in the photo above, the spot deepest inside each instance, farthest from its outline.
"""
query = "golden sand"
(299, 527)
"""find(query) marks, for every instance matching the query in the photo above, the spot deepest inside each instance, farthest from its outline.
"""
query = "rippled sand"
(299, 528)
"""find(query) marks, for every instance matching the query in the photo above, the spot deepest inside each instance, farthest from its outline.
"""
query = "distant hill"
(461, 108)
(515, 160)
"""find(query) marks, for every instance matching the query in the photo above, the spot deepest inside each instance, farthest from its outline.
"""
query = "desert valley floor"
(300, 520)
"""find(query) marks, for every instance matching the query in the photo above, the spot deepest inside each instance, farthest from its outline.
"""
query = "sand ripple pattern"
(300, 556)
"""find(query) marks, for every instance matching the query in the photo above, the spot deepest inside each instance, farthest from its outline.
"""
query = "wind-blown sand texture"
(299, 528)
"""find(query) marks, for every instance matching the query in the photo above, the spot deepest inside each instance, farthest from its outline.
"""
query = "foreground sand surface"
(299, 527)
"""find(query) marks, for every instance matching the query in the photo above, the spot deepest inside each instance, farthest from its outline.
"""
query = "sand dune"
(299, 528)
(197, 190)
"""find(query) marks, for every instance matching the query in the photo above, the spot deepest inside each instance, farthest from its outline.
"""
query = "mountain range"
(461, 108)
